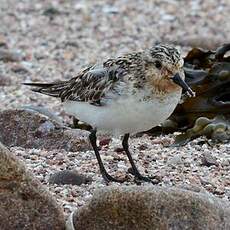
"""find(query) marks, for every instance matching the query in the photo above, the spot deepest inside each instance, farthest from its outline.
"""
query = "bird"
(124, 95)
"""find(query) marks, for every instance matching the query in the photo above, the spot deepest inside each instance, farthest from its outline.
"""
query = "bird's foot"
(139, 178)
(109, 178)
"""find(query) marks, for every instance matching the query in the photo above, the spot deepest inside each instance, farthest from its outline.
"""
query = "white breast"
(126, 114)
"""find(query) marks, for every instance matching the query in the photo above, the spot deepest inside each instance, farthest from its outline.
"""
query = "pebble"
(10, 55)
(5, 80)
(175, 160)
(68, 177)
(104, 141)
(20, 69)
(225, 162)
(3, 42)
(208, 160)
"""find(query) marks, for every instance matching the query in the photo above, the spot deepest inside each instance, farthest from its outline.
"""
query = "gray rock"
(3, 41)
(175, 160)
(24, 203)
(10, 55)
(19, 69)
(5, 80)
(69, 177)
(151, 207)
(30, 129)
(226, 162)
(208, 160)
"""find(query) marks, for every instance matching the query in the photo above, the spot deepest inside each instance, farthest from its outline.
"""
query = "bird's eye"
(158, 64)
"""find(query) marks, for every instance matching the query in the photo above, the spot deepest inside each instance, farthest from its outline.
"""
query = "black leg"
(105, 175)
(75, 123)
(134, 168)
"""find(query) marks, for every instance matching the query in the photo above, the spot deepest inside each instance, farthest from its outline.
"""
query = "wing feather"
(90, 85)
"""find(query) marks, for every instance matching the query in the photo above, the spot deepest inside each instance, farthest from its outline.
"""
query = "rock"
(219, 191)
(225, 162)
(19, 68)
(151, 207)
(175, 160)
(104, 141)
(31, 129)
(3, 42)
(69, 177)
(69, 55)
(108, 9)
(208, 160)
(119, 149)
(10, 56)
(5, 80)
(51, 11)
(142, 147)
(25, 203)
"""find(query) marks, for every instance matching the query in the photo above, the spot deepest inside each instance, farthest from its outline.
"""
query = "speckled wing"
(90, 85)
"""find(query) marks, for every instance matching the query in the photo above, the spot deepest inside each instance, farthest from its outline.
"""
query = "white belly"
(125, 115)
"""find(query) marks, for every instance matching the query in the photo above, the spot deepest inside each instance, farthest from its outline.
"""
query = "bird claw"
(109, 178)
(139, 178)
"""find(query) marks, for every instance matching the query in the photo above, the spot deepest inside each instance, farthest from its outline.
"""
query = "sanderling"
(123, 95)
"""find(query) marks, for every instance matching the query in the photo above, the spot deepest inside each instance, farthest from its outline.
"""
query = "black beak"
(179, 81)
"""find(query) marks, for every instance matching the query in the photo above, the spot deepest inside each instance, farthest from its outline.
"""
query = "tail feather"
(39, 84)
(52, 89)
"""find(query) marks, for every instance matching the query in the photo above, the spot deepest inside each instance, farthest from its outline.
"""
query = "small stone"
(208, 160)
(104, 141)
(51, 11)
(225, 162)
(69, 177)
(168, 17)
(219, 191)
(142, 147)
(3, 42)
(18, 68)
(175, 160)
(68, 55)
(187, 162)
(119, 150)
(10, 56)
(5, 80)
(110, 9)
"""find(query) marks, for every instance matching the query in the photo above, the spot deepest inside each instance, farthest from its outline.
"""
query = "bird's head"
(164, 69)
